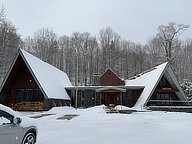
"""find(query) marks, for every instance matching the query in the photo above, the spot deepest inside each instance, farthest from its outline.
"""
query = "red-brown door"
(111, 98)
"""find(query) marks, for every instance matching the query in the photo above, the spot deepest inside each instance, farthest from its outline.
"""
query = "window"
(158, 96)
(5, 118)
(37, 95)
(118, 97)
(93, 98)
(167, 97)
(97, 99)
(82, 98)
(105, 95)
(128, 95)
(74, 94)
(163, 83)
(29, 95)
(171, 96)
(164, 96)
(19, 95)
(69, 92)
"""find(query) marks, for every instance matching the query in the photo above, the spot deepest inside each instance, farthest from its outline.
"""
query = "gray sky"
(135, 20)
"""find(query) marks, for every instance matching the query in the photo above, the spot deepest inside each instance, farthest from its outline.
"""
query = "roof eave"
(32, 73)
(144, 105)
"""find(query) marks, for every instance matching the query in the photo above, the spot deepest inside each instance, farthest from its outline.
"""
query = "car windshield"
(5, 118)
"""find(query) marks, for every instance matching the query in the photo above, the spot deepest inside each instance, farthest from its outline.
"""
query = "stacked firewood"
(29, 106)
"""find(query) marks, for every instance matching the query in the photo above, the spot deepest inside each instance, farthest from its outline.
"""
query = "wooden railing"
(169, 103)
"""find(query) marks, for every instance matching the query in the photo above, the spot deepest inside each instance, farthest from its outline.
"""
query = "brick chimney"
(96, 80)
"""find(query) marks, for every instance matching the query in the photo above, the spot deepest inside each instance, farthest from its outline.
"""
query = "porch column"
(121, 99)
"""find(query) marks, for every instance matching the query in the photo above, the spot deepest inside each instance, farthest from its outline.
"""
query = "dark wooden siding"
(110, 79)
(164, 87)
(164, 94)
(131, 97)
(19, 78)
(92, 98)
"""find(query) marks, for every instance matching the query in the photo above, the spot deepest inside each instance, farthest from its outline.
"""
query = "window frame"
(7, 116)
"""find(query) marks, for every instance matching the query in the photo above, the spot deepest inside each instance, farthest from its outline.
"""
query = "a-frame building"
(161, 87)
(32, 84)
(156, 87)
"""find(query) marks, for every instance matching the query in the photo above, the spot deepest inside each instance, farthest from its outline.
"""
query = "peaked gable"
(19, 78)
(50, 80)
(21, 73)
(150, 79)
(109, 78)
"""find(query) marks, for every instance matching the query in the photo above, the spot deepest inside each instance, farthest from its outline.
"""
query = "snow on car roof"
(52, 80)
(26, 122)
(148, 79)
(8, 110)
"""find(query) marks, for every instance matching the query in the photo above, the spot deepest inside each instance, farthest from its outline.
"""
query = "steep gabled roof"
(150, 79)
(50, 80)
(109, 78)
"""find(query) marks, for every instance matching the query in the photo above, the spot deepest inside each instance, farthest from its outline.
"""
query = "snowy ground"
(94, 126)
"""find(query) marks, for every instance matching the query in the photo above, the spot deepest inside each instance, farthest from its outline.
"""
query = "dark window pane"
(6, 115)
(167, 96)
(82, 98)
(162, 96)
(37, 95)
(19, 96)
(29, 95)
(158, 97)
(93, 97)
(171, 96)
(118, 96)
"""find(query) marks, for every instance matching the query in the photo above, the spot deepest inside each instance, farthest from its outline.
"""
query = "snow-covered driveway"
(94, 126)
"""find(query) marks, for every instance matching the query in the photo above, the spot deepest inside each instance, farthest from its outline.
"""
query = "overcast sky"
(135, 20)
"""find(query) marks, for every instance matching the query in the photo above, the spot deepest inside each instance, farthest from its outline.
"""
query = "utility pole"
(76, 78)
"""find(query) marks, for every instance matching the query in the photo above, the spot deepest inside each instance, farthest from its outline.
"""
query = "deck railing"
(169, 103)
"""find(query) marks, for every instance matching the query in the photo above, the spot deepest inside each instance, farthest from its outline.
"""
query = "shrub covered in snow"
(187, 88)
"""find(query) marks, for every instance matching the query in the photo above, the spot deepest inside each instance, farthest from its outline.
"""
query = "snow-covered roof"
(150, 79)
(51, 80)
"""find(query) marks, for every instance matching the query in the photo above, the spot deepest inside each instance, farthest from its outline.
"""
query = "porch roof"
(108, 88)
(96, 88)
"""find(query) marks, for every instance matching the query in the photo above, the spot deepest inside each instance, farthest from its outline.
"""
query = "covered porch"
(111, 96)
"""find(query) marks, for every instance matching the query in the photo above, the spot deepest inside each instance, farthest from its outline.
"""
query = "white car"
(15, 129)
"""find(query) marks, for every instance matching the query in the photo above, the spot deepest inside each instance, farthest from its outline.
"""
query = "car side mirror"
(17, 120)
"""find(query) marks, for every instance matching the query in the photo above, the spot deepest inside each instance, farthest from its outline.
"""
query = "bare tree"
(155, 50)
(168, 35)
(126, 58)
(110, 48)
(46, 45)
(2, 14)
(67, 56)
(9, 43)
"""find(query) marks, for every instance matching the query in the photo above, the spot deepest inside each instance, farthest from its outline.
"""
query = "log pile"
(29, 106)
